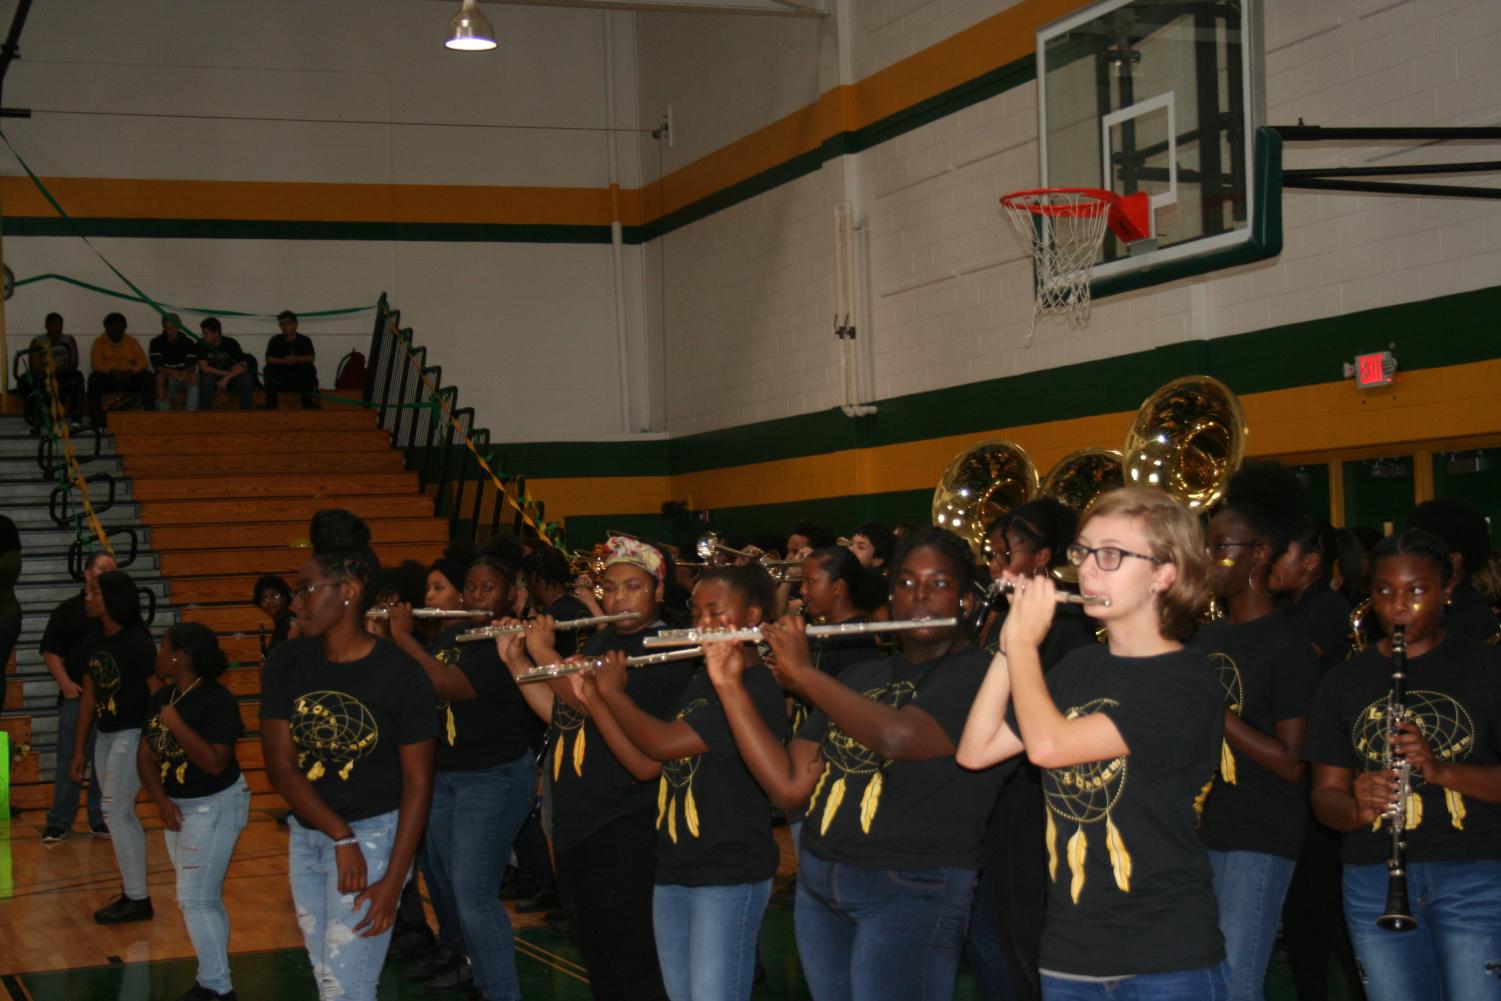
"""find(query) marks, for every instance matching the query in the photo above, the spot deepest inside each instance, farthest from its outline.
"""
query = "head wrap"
(637, 554)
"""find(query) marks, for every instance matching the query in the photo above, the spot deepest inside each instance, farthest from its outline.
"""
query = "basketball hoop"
(1063, 229)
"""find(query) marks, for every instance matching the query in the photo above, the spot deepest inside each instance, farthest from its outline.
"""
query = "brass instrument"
(1000, 587)
(681, 637)
(844, 542)
(1358, 616)
(1397, 916)
(548, 672)
(712, 550)
(490, 632)
(979, 486)
(430, 613)
(1188, 437)
(1079, 478)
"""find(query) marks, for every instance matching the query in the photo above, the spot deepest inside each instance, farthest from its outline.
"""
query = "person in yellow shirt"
(119, 365)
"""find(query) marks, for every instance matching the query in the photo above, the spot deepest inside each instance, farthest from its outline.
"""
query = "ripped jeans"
(200, 853)
(345, 964)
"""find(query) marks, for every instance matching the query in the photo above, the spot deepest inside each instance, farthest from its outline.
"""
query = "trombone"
(490, 632)
(548, 672)
(682, 637)
(712, 550)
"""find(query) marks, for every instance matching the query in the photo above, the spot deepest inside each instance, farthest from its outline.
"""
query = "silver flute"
(490, 632)
(683, 637)
(1061, 597)
(431, 613)
(547, 672)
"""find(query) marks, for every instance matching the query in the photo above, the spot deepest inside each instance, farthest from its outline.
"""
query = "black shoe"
(123, 910)
(560, 922)
(52, 835)
(434, 963)
(411, 943)
(99, 830)
(545, 900)
(457, 978)
(202, 993)
(310, 402)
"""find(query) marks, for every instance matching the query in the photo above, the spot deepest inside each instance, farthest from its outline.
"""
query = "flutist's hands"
(399, 620)
(585, 687)
(512, 647)
(541, 639)
(1375, 795)
(610, 677)
(1031, 613)
(726, 663)
(791, 660)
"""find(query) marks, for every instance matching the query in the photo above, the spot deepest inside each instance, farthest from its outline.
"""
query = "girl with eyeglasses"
(1254, 818)
(1127, 735)
(347, 731)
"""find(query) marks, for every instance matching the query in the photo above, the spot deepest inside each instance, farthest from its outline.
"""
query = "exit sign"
(1372, 370)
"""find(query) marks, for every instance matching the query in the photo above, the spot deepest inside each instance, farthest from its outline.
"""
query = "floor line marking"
(552, 955)
(546, 962)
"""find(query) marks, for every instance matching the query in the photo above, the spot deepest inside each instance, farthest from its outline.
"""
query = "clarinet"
(1398, 913)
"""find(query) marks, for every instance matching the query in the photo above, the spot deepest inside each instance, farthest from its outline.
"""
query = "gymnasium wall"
(924, 143)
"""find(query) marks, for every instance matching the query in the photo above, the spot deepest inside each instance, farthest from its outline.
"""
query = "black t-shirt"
(1469, 615)
(119, 666)
(590, 787)
(67, 627)
(883, 814)
(1072, 628)
(212, 713)
(713, 819)
(483, 732)
(566, 609)
(831, 655)
(280, 347)
(348, 720)
(1130, 890)
(164, 353)
(1454, 695)
(223, 357)
(1322, 615)
(1268, 673)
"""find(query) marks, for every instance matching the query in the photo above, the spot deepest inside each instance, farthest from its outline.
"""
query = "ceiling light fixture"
(470, 31)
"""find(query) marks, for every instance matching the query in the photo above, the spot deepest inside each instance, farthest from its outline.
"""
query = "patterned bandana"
(637, 554)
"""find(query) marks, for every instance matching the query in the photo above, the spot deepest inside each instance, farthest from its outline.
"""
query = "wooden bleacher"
(224, 495)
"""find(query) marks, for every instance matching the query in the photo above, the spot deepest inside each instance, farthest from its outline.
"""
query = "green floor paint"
(548, 964)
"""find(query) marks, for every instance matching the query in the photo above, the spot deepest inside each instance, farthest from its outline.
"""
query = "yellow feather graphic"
(1414, 811)
(836, 794)
(690, 812)
(557, 754)
(182, 773)
(1076, 848)
(1227, 762)
(316, 772)
(672, 820)
(871, 801)
(1050, 838)
(453, 731)
(1456, 804)
(110, 705)
(813, 799)
(348, 767)
(578, 753)
(1199, 801)
(1120, 859)
(661, 800)
(165, 768)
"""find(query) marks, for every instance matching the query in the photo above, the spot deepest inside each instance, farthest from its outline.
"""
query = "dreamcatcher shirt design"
(1084, 795)
(169, 753)
(104, 671)
(849, 763)
(677, 780)
(567, 720)
(1444, 723)
(449, 657)
(332, 731)
(1235, 702)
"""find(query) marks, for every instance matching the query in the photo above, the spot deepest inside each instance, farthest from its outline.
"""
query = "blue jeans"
(706, 939)
(1209, 984)
(877, 934)
(200, 853)
(119, 783)
(472, 823)
(208, 385)
(1251, 887)
(441, 896)
(1458, 907)
(345, 964)
(64, 790)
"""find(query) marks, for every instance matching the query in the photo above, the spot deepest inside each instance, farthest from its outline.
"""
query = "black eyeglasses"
(1105, 557)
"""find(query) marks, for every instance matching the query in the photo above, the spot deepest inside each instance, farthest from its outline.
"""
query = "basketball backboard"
(1164, 96)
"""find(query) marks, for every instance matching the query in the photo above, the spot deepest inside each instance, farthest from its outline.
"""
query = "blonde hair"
(1175, 536)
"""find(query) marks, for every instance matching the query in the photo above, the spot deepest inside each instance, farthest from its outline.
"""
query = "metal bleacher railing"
(454, 460)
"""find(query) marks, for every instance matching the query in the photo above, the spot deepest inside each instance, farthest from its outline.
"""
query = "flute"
(431, 613)
(490, 632)
(548, 672)
(682, 637)
(1062, 597)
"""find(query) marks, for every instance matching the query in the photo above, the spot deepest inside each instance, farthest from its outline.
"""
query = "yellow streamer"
(70, 456)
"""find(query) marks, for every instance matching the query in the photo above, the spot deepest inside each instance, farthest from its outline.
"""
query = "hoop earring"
(1251, 583)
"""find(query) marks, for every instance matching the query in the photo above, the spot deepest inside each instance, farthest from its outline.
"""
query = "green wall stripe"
(1432, 333)
(272, 229)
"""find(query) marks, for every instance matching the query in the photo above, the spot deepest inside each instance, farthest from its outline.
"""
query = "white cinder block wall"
(528, 331)
(744, 285)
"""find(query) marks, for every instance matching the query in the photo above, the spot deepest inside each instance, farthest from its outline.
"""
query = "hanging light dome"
(470, 30)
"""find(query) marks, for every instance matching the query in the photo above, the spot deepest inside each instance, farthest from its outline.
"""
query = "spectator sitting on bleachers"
(222, 365)
(290, 364)
(119, 365)
(64, 350)
(175, 358)
(273, 597)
